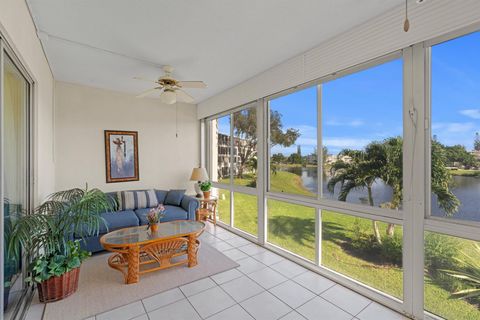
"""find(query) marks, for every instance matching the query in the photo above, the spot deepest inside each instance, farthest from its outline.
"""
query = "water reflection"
(467, 190)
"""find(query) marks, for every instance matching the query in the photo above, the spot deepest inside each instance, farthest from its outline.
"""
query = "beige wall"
(17, 27)
(83, 113)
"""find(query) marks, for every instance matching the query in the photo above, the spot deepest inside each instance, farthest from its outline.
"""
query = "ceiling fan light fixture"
(168, 97)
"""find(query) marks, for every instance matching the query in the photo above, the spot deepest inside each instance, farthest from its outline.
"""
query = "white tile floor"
(264, 287)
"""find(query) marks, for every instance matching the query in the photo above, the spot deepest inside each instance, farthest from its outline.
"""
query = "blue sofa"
(137, 217)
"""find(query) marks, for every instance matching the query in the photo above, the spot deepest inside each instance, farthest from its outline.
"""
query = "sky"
(367, 105)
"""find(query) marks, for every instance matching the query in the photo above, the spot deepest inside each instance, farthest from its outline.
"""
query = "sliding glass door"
(15, 95)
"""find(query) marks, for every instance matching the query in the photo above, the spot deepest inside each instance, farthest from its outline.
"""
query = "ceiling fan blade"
(193, 84)
(145, 79)
(148, 92)
(183, 96)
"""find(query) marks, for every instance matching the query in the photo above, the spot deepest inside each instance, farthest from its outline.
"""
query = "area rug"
(101, 288)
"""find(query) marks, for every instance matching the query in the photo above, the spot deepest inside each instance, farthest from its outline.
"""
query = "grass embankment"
(465, 172)
(293, 227)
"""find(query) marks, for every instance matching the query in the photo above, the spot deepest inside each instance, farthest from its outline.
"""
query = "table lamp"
(199, 175)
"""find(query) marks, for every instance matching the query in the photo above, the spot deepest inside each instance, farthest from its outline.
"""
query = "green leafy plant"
(206, 186)
(469, 276)
(440, 252)
(51, 227)
(45, 267)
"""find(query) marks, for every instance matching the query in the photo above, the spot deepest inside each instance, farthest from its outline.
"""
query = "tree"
(458, 154)
(245, 133)
(383, 160)
(294, 158)
(278, 158)
(476, 142)
(441, 180)
(358, 173)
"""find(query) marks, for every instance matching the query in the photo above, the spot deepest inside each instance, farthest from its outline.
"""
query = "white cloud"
(471, 113)
(453, 127)
(352, 123)
(346, 143)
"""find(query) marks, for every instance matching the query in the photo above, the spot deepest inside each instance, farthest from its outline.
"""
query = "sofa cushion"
(171, 213)
(119, 219)
(137, 199)
(174, 197)
(126, 200)
(161, 194)
(113, 221)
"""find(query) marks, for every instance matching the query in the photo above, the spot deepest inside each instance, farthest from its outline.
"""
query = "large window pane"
(349, 246)
(452, 271)
(15, 99)
(245, 211)
(293, 143)
(220, 149)
(362, 136)
(223, 209)
(245, 147)
(292, 227)
(455, 107)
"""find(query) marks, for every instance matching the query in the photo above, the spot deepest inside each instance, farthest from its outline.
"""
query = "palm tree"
(383, 160)
(356, 169)
(470, 276)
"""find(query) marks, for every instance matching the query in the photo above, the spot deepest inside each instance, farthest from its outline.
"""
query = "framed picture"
(121, 155)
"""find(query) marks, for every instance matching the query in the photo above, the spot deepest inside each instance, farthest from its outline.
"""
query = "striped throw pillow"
(129, 200)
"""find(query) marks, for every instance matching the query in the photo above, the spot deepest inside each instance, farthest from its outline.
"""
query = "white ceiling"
(104, 43)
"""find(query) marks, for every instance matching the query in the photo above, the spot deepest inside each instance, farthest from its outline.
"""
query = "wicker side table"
(208, 209)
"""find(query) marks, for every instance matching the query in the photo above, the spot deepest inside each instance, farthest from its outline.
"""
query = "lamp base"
(198, 191)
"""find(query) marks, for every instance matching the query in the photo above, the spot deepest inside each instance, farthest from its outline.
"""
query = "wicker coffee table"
(137, 250)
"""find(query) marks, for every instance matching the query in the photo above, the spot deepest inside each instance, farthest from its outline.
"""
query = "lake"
(467, 190)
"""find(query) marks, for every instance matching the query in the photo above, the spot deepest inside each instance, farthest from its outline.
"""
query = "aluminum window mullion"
(417, 135)
(320, 155)
(2, 192)
(261, 202)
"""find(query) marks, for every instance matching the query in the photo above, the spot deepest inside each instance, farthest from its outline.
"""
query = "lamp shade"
(199, 174)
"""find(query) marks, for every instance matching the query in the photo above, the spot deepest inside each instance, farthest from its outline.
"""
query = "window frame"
(415, 217)
(318, 200)
(7, 51)
(455, 227)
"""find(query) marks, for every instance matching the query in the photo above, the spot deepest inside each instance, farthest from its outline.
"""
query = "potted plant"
(206, 186)
(154, 216)
(46, 235)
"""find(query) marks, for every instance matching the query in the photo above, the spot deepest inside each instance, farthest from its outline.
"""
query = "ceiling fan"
(171, 89)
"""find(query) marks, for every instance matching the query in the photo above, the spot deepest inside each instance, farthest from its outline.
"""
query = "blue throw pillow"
(174, 197)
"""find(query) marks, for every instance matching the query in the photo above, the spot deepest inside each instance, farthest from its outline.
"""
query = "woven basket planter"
(58, 288)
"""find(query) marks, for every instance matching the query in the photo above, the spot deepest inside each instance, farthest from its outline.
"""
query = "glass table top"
(142, 233)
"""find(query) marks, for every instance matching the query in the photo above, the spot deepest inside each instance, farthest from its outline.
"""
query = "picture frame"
(121, 156)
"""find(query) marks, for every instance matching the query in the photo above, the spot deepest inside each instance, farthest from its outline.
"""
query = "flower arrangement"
(155, 214)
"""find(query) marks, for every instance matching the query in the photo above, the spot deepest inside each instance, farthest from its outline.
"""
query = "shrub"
(391, 249)
(440, 252)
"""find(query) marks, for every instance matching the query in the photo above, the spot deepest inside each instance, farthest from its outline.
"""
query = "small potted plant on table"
(50, 230)
(206, 187)
(154, 216)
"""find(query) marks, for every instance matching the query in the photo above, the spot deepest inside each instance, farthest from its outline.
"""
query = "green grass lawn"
(465, 172)
(292, 227)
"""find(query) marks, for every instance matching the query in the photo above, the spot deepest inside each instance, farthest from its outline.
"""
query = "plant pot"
(58, 288)
(154, 227)
(206, 194)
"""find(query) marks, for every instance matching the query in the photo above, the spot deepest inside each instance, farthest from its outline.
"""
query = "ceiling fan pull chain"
(406, 24)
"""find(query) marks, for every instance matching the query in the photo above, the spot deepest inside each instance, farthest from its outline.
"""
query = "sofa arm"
(190, 204)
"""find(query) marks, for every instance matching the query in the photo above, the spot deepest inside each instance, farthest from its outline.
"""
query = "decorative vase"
(206, 194)
(154, 227)
(58, 288)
